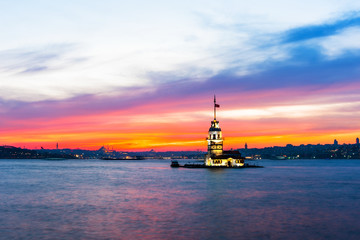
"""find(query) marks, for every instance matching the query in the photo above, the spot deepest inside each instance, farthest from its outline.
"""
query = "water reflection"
(148, 200)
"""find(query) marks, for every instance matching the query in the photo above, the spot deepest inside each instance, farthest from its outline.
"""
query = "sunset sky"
(141, 75)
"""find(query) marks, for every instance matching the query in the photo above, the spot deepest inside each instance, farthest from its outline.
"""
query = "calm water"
(93, 199)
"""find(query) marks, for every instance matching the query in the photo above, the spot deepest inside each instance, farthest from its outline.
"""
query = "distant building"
(215, 156)
(357, 141)
(246, 146)
(336, 142)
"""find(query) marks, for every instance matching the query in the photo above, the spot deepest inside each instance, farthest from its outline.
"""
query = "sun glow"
(187, 130)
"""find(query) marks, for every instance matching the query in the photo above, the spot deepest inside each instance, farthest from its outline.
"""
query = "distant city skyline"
(141, 75)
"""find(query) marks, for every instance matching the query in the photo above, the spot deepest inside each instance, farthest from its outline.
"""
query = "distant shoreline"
(327, 151)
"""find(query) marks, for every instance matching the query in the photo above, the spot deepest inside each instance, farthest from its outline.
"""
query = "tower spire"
(214, 107)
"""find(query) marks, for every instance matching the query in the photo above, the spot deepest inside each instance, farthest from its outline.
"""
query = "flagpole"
(214, 108)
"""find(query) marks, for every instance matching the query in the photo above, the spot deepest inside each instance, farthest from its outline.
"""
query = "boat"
(175, 163)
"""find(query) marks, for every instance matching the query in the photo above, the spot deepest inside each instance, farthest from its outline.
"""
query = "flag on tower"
(217, 105)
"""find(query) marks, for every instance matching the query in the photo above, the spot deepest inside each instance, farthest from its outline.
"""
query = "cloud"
(346, 42)
(33, 60)
(35, 69)
(281, 85)
(302, 71)
(319, 31)
(306, 68)
(248, 62)
(156, 55)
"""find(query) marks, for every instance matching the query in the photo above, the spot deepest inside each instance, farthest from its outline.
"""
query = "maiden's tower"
(216, 156)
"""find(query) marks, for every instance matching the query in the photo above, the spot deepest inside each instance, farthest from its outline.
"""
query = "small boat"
(175, 163)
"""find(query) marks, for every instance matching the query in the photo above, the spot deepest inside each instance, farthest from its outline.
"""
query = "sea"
(97, 199)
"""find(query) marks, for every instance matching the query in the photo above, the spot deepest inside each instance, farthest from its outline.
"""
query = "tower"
(214, 139)
(215, 156)
(246, 146)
